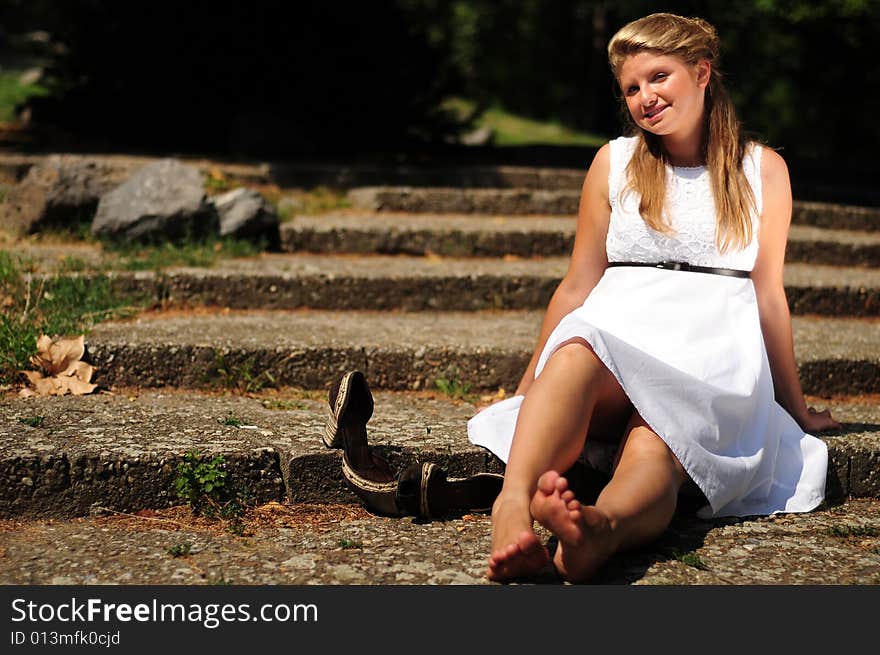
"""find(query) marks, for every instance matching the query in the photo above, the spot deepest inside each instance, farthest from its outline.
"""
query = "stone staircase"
(412, 285)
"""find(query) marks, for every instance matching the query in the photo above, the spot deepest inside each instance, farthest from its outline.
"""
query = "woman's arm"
(588, 257)
(772, 304)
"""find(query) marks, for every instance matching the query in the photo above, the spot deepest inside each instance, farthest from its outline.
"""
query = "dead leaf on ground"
(62, 370)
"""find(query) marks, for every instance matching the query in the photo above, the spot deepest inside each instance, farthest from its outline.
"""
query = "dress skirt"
(688, 351)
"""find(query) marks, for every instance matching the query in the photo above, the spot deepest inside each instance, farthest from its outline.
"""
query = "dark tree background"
(241, 77)
(322, 76)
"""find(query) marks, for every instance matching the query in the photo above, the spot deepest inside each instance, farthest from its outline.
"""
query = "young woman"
(664, 331)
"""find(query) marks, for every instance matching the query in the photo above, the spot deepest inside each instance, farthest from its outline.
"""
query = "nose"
(647, 95)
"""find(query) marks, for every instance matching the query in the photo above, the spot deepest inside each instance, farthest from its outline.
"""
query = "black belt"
(684, 266)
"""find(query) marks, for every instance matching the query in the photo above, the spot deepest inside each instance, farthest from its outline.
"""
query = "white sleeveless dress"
(687, 349)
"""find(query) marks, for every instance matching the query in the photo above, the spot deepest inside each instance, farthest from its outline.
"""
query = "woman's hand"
(816, 421)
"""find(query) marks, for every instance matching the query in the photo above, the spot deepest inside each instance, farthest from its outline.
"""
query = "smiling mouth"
(654, 112)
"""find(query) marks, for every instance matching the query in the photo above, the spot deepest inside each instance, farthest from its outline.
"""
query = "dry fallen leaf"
(62, 371)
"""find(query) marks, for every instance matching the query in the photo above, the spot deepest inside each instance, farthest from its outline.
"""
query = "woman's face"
(664, 94)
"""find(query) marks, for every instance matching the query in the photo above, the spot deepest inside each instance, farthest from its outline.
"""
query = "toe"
(547, 482)
(561, 484)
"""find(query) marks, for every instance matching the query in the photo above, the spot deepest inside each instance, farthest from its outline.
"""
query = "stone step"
(400, 351)
(520, 202)
(459, 235)
(438, 284)
(121, 450)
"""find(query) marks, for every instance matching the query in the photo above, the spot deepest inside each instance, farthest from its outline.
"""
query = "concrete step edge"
(424, 290)
(122, 453)
(400, 351)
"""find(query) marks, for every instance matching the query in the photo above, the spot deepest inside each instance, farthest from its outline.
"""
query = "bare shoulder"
(774, 170)
(596, 180)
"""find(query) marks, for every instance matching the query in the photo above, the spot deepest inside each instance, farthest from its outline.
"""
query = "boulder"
(162, 201)
(60, 191)
(245, 214)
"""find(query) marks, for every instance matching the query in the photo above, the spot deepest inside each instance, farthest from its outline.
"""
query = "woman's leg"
(635, 507)
(551, 428)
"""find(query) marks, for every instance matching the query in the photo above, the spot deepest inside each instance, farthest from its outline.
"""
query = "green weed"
(231, 420)
(240, 377)
(13, 92)
(193, 253)
(205, 486)
(180, 550)
(348, 544)
(33, 421)
(846, 531)
(74, 265)
(512, 130)
(217, 184)
(453, 388)
(319, 200)
(56, 305)
(690, 558)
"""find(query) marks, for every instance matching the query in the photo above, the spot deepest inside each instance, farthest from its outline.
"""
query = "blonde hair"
(691, 40)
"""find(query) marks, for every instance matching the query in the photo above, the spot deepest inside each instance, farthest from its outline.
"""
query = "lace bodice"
(691, 208)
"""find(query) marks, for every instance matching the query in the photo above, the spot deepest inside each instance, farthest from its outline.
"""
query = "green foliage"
(200, 482)
(239, 376)
(33, 421)
(217, 184)
(847, 531)
(180, 550)
(205, 486)
(57, 305)
(13, 92)
(691, 558)
(347, 544)
(510, 129)
(202, 254)
(231, 420)
(319, 200)
(452, 387)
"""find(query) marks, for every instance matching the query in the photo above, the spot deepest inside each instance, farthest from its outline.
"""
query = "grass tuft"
(198, 254)
(57, 305)
(847, 531)
(510, 129)
(13, 93)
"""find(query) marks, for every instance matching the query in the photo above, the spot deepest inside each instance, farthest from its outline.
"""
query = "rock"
(60, 191)
(163, 201)
(245, 214)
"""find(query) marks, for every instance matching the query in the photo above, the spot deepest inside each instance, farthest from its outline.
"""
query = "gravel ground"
(343, 545)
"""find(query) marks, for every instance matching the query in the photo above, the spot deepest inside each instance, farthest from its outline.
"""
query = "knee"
(575, 352)
(643, 442)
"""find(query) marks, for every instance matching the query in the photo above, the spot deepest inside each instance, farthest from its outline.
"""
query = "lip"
(656, 117)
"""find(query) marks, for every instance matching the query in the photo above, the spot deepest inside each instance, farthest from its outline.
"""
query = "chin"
(657, 130)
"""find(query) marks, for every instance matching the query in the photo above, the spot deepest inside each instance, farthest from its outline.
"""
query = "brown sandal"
(421, 489)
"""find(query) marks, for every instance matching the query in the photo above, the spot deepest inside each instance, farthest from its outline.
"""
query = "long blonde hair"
(691, 40)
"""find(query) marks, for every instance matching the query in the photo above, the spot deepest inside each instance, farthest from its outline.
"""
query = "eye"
(660, 76)
(630, 90)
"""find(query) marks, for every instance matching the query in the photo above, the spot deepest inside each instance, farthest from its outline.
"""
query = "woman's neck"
(680, 153)
(685, 149)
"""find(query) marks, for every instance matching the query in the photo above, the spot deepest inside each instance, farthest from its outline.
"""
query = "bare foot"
(516, 550)
(583, 531)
